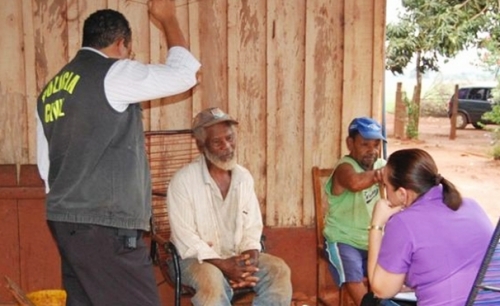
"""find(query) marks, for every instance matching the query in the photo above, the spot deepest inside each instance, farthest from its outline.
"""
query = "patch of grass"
(496, 152)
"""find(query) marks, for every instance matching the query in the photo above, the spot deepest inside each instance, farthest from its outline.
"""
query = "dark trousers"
(100, 269)
(370, 300)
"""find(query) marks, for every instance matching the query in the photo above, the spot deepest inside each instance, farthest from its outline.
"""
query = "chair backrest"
(167, 152)
(324, 289)
(320, 175)
(486, 288)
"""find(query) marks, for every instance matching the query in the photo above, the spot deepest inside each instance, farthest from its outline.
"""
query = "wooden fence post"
(399, 114)
(454, 109)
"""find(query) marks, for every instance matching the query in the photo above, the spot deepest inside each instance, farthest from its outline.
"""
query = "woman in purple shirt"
(425, 235)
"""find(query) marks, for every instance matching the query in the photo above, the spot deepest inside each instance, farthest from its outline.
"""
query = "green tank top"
(349, 213)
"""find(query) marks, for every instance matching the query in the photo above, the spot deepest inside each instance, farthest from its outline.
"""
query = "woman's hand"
(382, 211)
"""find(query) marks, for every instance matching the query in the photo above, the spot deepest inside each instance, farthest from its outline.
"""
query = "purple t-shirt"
(439, 250)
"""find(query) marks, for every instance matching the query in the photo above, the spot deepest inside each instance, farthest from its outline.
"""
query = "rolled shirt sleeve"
(131, 81)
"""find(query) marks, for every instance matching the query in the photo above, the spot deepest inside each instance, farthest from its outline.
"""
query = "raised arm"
(345, 177)
(163, 11)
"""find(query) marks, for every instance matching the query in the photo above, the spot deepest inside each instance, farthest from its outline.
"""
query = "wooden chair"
(320, 176)
(167, 152)
(486, 288)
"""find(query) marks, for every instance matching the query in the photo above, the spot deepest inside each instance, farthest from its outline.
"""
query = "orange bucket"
(48, 297)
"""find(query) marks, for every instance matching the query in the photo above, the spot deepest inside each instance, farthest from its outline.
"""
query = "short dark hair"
(104, 27)
(352, 133)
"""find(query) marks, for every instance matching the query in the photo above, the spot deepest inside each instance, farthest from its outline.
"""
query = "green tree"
(489, 56)
(430, 29)
(494, 114)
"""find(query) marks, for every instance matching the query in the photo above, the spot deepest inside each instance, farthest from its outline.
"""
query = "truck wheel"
(461, 121)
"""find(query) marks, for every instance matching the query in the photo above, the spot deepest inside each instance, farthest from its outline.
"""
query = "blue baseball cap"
(367, 128)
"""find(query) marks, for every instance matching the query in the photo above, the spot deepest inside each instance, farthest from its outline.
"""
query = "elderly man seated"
(217, 224)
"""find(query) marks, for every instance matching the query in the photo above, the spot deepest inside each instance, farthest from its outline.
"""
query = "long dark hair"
(104, 27)
(416, 170)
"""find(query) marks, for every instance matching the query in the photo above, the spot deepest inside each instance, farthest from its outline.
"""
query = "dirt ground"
(465, 161)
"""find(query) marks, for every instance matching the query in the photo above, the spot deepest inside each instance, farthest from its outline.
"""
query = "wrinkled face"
(220, 145)
(364, 151)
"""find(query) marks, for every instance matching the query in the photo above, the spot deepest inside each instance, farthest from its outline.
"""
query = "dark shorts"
(347, 263)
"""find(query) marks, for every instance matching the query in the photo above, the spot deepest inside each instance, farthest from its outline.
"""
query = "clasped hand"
(241, 270)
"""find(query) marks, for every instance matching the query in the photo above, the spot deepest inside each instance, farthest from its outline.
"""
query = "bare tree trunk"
(400, 113)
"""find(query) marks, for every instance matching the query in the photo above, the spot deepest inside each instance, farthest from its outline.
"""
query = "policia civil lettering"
(67, 81)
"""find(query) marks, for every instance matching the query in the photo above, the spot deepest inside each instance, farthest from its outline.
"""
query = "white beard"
(227, 165)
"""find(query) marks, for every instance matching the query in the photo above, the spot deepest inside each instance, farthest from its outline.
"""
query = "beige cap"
(211, 116)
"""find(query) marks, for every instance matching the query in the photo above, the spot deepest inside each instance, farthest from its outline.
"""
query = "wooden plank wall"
(28, 255)
(293, 72)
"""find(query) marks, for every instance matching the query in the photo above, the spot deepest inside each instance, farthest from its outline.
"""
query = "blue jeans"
(274, 287)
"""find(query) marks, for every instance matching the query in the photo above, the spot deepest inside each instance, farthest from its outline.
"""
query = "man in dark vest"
(91, 156)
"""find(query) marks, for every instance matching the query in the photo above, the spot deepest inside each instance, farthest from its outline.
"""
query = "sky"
(392, 8)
